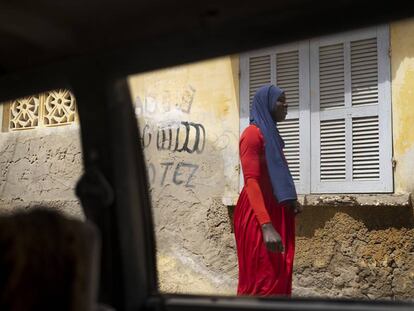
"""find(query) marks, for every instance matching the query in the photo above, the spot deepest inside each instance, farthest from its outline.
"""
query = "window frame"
(303, 115)
(309, 109)
(382, 109)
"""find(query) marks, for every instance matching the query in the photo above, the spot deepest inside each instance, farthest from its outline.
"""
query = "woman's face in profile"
(280, 109)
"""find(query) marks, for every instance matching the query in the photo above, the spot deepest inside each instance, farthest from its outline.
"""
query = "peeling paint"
(402, 67)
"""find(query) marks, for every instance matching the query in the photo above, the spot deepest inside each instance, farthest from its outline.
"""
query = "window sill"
(356, 200)
(346, 200)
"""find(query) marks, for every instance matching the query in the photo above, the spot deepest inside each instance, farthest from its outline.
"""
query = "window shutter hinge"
(389, 52)
(394, 162)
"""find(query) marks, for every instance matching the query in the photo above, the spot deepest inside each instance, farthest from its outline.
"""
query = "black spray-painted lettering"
(167, 166)
(194, 132)
(179, 171)
(151, 173)
(164, 139)
(183, 173)
(194, 169)
(146, 136)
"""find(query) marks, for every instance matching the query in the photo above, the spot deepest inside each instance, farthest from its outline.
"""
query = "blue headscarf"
(260, 115)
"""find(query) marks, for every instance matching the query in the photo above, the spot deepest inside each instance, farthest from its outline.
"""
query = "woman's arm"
(256, 200)
(251, 149)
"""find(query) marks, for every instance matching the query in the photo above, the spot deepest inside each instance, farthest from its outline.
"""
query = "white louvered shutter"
(288, 68)
(287, 78)
(259, 74)
(351, 119)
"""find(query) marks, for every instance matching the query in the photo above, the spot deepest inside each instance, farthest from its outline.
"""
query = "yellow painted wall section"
(402, 68)
(204, 93)
(189, 125)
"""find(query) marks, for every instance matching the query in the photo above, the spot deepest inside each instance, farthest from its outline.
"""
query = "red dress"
(261, 272)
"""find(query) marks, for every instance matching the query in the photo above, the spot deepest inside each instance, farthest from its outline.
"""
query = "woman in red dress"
(264, 218)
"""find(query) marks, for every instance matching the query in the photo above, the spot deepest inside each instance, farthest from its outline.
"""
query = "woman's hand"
(272, 239)
(295, 207)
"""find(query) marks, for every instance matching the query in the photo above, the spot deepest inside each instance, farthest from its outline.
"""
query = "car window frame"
(113, 189)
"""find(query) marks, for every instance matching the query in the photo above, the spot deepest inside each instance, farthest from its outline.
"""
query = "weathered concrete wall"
(190, 128)
(40, 166)
(402, 68)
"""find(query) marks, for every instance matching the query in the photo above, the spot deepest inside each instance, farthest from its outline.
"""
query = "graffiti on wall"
(180, 174)
(185, 136)
(166, 101)
(164, 130)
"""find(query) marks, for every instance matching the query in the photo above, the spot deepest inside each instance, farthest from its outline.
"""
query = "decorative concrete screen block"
(52, 108)
(24, 113)
(59, 108)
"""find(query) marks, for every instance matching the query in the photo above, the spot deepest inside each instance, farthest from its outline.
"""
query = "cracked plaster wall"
(40, 166)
